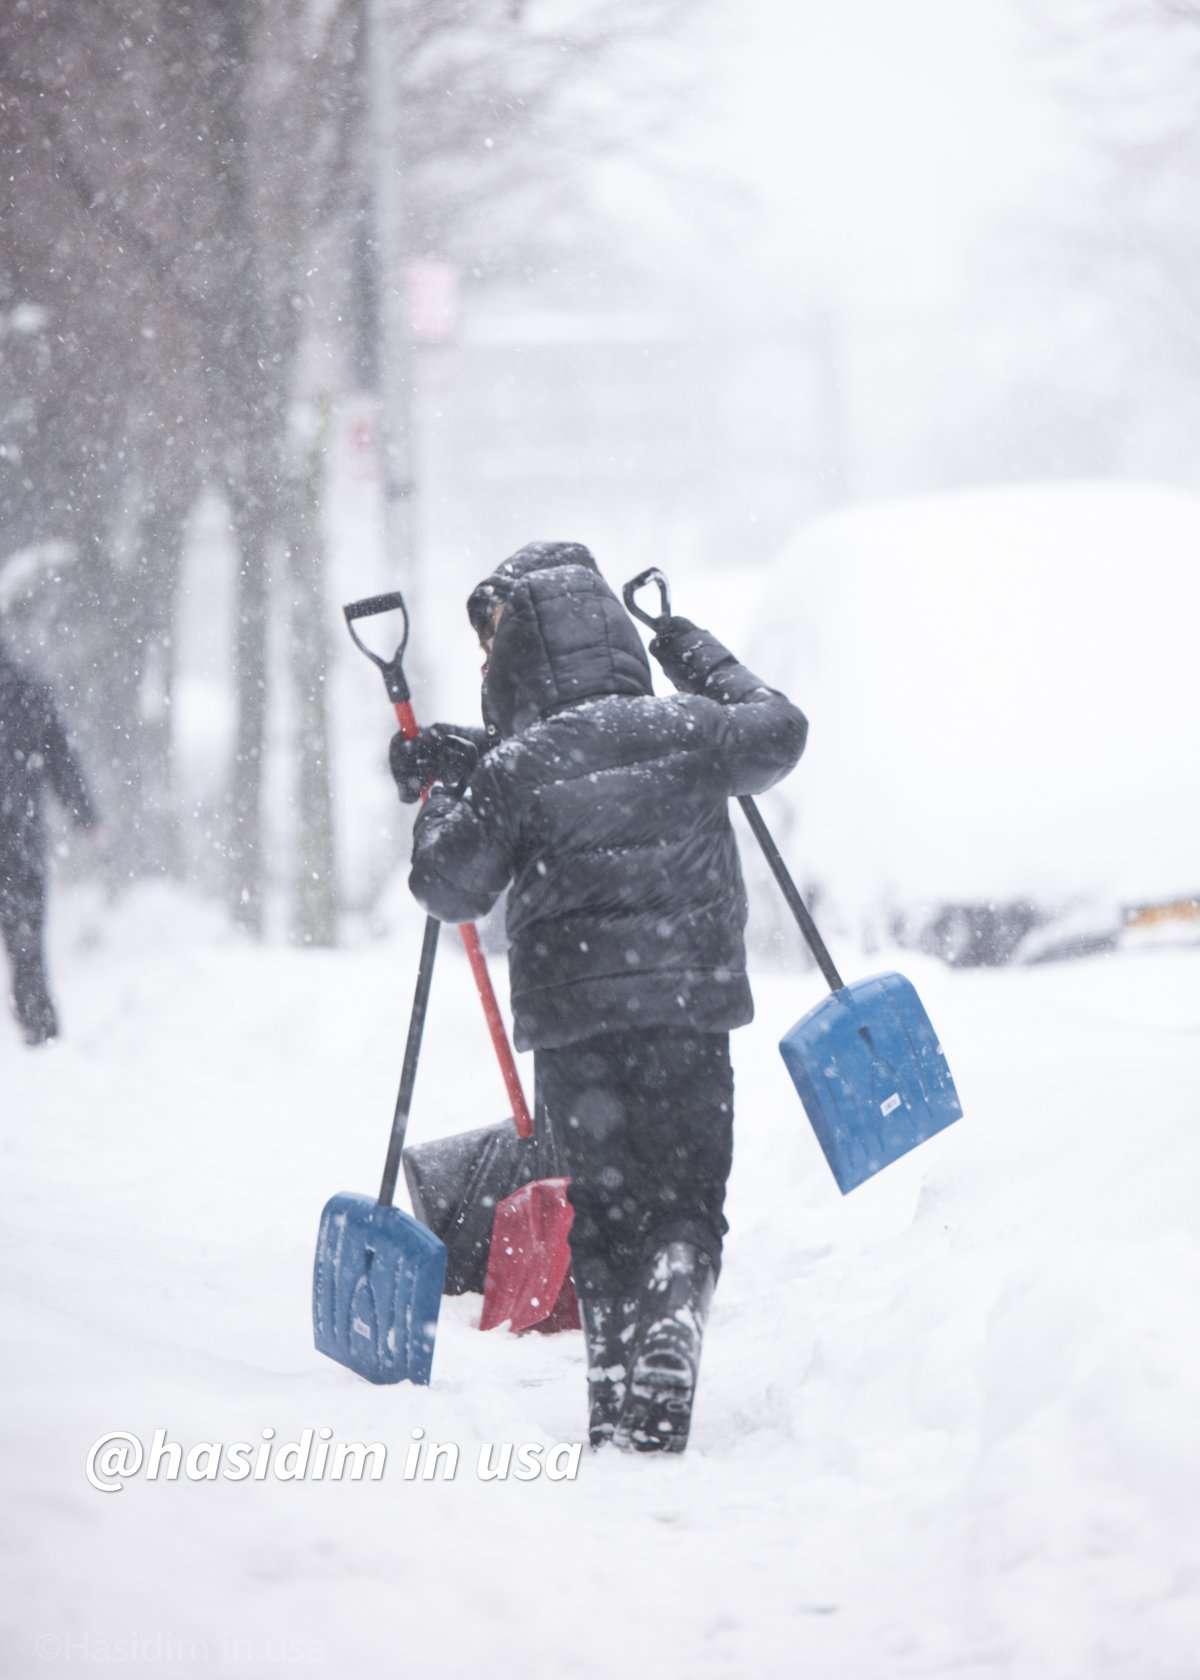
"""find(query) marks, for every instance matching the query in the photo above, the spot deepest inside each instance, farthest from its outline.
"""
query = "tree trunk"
(392, 234)
(250, 388)
(253, 524)
(314, 909)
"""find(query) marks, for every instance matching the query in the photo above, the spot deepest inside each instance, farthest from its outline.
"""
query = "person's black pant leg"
(22, 923)
(643, 1123)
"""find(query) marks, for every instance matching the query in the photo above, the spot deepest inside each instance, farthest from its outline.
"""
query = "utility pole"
(830, 377)
(389, 218)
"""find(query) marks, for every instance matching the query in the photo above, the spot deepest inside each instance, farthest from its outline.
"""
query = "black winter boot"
(607, 1332)
(676, 1293)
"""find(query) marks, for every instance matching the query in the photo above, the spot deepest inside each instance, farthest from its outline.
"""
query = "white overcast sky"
(891, 133)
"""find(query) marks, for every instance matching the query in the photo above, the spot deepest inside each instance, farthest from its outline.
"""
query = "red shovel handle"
(483, 980)
(491, 1009)
(408, 723)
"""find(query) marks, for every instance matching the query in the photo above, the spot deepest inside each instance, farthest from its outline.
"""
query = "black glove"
(690, 656)
(438, 754)
(674, 645)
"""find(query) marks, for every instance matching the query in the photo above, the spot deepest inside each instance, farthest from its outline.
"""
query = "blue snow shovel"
(866, 1061)
(378, 1275)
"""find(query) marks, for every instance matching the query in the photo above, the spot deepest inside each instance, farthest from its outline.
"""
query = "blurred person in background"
(34, 752)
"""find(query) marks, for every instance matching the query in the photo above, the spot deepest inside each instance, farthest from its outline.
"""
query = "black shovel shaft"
(412, 1050)
(790, 892)
(657, 623)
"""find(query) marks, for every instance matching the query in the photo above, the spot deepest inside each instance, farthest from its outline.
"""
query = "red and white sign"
(432, 301)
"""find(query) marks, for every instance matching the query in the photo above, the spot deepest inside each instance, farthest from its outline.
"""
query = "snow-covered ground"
(947, 1426)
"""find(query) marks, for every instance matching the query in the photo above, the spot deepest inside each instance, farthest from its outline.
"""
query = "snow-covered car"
(1003, 688)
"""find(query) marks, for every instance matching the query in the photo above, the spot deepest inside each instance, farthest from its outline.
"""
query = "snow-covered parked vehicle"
(1003, 692)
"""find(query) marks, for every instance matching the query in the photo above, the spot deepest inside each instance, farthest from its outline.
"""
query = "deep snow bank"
(1002, 693)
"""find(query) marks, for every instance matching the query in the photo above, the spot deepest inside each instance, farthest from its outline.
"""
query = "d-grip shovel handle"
(650, 575)
(752, 813)
(393, 668)
(398, 693)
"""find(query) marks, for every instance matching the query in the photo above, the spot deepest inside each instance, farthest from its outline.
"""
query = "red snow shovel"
(529, 1268)
(465, 1188)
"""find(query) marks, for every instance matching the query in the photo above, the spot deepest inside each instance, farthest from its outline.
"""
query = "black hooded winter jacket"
(606, 809)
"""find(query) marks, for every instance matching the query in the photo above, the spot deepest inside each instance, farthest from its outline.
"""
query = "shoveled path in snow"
(948, 1426)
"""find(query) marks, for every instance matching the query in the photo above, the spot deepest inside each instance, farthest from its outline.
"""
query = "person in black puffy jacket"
(34, 752)
(604, 811)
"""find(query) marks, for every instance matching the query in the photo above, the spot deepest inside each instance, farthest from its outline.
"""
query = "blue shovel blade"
(377, 1288)
(871, 1074)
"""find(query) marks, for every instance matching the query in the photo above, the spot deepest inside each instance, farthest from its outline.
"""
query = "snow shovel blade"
(871, 1074)
(377, 1288)
(529, 1270)
(456, 1184)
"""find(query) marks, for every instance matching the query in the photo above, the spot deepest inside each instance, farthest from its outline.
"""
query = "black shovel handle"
(790, 892)
(412, 1050)
(398, 692)
(650, 575)
(393, 669)
(753, 815)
